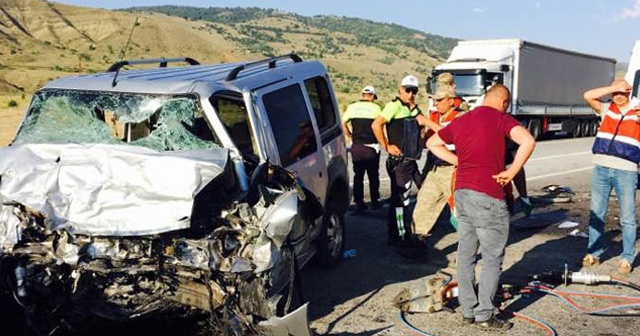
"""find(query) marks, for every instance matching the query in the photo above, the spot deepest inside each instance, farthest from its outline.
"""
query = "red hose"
(567, 296)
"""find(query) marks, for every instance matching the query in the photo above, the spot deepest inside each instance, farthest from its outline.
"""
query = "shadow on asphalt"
(377, 265)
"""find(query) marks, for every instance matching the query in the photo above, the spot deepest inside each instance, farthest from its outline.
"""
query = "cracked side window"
(159, 122)
(233, 115)
(290, 123)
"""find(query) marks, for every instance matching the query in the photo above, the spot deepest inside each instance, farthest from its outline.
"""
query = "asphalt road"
(561, 161)
(355, 298)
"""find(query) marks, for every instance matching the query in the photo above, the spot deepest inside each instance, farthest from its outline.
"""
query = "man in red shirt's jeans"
(483, 219)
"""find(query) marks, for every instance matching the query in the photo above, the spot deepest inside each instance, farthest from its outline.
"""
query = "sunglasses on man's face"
(413, 90)
(620, 93)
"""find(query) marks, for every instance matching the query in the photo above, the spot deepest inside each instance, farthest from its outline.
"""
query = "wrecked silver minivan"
(159, 190)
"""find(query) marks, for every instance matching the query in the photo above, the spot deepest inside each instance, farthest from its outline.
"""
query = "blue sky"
(602, 27)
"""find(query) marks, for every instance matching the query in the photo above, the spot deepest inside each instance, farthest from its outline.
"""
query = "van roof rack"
(233, 74)
(162, 62)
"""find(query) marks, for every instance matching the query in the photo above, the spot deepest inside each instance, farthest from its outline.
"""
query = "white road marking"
(557, 156)
(366, 181)
(533, 178)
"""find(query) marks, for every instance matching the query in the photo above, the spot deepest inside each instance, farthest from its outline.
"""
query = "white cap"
(369, 89)
(409, 81)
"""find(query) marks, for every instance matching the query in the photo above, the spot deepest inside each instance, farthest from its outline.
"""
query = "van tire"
(331, 241)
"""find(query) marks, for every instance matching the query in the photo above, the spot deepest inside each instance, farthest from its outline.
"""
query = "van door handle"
(320, 174)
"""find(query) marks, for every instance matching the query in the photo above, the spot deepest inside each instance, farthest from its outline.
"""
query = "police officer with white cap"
(365, 150)
(402, 143)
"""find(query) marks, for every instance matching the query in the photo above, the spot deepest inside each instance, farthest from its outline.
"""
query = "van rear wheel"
(331, 239)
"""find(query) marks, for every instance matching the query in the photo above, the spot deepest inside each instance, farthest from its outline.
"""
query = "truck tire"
(593, 127)
(577, 129)
(331, 241)
(535, 128)
(586, 126)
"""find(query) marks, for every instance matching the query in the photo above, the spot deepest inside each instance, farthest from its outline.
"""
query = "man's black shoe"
(493, 324)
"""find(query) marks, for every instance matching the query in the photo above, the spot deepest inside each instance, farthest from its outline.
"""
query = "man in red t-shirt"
(483, 219)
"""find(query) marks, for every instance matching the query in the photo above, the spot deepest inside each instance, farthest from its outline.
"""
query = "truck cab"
(474, 70)
(633, 73)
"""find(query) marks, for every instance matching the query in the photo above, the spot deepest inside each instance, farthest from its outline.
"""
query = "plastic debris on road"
(577, 233)
(567, 225)
(351, 253)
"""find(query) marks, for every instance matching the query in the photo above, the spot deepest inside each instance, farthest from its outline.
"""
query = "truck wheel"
(593, 127)
(577, 129)
(586, 126)
(534, 128)
(331, 239)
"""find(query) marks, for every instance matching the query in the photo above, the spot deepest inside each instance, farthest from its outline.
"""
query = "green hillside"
(389, 37)
(358, 52)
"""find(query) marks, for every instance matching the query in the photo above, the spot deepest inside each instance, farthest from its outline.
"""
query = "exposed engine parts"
(232, 268)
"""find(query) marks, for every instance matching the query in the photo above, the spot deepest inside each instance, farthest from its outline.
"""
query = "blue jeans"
(603, 180)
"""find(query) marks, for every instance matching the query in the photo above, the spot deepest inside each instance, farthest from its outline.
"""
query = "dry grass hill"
(41, 40)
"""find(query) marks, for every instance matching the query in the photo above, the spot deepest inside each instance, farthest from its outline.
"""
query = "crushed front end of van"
(123, 214)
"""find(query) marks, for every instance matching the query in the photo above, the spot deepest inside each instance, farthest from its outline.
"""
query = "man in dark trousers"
(483, 219)
(402, 142)
(365, 150)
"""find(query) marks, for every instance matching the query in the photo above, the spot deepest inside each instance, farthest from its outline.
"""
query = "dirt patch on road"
(355, 298)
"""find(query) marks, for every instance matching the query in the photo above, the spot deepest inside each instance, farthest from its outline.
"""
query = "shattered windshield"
(158, 122)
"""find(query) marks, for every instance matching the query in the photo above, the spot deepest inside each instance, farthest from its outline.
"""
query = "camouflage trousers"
(432, 197)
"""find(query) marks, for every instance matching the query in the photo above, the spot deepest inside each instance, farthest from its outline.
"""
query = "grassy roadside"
(12, 109)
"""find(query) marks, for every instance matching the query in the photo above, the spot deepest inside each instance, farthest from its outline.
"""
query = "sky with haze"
(602, 27)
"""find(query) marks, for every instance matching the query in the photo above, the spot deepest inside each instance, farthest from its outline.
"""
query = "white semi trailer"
(546, 83)
(633, 72)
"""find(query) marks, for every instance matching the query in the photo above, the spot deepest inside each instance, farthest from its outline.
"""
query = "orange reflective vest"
(436, 117)
(618, 135)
